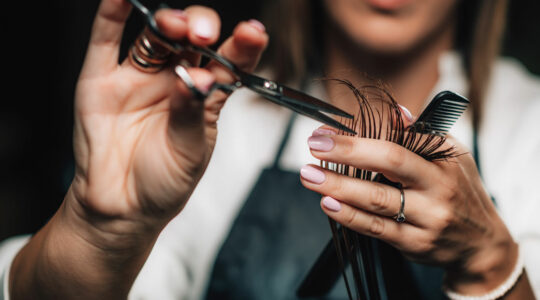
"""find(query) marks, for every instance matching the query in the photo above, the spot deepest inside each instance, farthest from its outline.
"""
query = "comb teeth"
(441, 113)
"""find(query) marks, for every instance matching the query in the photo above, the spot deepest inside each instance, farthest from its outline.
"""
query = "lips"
(390, 5)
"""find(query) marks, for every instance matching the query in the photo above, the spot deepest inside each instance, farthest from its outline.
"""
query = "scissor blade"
(281, 93)
(314, 114)
(303, 99)
(140, 7)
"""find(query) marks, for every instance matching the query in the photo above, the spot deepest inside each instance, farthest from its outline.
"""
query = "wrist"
(515, 286)
(74, 255)
(113, 232)
(485, 270)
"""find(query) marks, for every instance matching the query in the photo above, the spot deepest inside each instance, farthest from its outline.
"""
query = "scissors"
(295, 100)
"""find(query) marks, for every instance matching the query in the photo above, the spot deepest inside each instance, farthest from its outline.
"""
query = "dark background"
(43, 46)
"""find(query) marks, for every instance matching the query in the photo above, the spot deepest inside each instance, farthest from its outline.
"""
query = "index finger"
(243, 48)
(394, 161)
(102, 54)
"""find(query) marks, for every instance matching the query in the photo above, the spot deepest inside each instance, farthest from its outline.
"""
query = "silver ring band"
(400, 217)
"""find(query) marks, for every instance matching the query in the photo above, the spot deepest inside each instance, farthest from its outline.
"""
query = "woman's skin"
(142, 143)
(451, 220)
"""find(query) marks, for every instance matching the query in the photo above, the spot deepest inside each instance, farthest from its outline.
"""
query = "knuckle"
(395, 155)
(423, 247)
(335, 184)
(443, 219)
(376, 226)
(380, 198)
(449, 189)
(446, 217)
(346, 147)
(429, 243)
(351, 219)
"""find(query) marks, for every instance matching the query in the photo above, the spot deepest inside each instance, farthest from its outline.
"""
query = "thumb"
(186, 117)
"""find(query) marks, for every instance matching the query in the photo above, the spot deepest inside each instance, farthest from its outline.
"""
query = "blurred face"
(391, 26)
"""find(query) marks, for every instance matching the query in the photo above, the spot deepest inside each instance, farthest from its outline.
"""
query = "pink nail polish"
(320, 143)
(203, 28)
(312, 174)
(323, 131)
(331, 204)
(180, 14)
(205, 85)
(406, 113)
(257, 24)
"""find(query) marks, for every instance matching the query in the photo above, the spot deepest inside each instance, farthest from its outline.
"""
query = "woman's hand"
(450, 218)
(141, 141)
(141, 145)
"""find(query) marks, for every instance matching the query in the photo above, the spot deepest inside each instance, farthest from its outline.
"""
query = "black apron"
(278, 235)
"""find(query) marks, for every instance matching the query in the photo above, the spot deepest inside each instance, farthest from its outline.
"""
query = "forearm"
(68, 259)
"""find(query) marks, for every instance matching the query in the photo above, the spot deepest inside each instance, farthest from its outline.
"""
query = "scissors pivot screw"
(270, 85)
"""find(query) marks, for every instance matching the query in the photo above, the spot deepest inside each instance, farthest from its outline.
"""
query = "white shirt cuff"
(8, 250)
(5, 283)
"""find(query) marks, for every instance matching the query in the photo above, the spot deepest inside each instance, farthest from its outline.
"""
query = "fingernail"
(323, 131)
(406, 113)
(203, 28)
(331, 204)
(320, 143)
(180, 14)
(257, 24)
(205, 84)
(312, 174)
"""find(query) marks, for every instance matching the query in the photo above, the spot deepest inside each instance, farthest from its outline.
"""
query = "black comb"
(441, 113)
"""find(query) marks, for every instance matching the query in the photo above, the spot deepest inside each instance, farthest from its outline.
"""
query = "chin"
(390, 29)
(389, 38)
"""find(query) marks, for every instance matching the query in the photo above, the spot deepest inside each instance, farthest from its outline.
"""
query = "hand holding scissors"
(142, 141)
(143, 137)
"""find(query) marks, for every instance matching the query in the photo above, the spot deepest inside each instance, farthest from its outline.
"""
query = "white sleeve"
(510, 157)
(8, 250)
(520, 198)
(163, 277)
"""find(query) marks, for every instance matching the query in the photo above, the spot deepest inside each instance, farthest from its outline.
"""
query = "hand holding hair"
(417, 189)
(450, 219)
